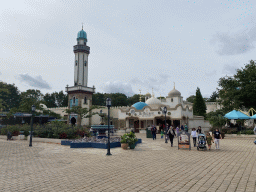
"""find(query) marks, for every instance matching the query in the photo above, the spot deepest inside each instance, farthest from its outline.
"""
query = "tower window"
(76, 62)
(74, 100)
(85, 100)
(171, 99)
(85, 63)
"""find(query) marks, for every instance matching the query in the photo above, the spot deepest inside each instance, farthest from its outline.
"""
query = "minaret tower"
(82, 52)
(80, 94)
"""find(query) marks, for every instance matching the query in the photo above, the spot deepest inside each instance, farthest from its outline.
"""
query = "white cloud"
(118, 87)
(36, 82)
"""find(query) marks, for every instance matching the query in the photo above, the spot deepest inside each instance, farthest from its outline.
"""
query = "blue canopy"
(236, 115)
(253, 117)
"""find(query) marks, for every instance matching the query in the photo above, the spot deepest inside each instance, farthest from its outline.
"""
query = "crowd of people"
(172, 132)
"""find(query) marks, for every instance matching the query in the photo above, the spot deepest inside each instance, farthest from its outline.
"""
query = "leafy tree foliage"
(29, 98)
(98, 99)
(239, 90)
(9, 96)
(56, 99)
(213, 97)
(191, 98)
(117, 99)
(216, 118)
(199, 107)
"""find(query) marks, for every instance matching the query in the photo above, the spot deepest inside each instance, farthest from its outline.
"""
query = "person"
(199, 130)
(177, 131)
(153, 131)
(193, 134)
(209, 140)
(171, 134)
(182, 128)
(186, 128)
(217, 137)
(162, 133)
(9, 135)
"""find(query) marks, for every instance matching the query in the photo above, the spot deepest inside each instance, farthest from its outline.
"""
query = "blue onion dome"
(139, 105)
(82, 35)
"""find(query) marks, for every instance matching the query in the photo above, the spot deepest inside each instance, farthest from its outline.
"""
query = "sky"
(134, 45)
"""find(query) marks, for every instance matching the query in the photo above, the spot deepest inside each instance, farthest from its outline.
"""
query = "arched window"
(85, 100)
(171, 99)
(85, 63)
(76, 62)
(74, 100)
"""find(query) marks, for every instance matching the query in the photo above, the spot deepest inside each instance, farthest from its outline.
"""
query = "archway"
(73, 121)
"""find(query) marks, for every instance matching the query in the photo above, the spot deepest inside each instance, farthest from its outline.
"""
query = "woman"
(193, 134)
(199, 130)
(177, 131)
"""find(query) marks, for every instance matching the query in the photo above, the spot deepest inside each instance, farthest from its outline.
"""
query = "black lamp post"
(108, 103)
(33, 109)
(165, 111)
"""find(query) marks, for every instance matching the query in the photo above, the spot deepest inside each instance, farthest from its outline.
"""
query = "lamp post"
(33, 109)
(108, 103)
(165, 111)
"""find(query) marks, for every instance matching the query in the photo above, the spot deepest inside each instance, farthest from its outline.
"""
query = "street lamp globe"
(165, 110)
(108, 102)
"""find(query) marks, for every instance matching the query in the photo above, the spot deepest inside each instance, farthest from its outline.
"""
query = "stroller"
(201, 142)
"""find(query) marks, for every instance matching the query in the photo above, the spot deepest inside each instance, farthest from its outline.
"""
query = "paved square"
(152, 166)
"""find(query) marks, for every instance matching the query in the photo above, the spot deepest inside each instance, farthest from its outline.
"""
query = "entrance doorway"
(176, 123)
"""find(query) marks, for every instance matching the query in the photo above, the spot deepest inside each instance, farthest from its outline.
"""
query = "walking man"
(193, 134)
(153, 131)
(171, 134)
(217, 137)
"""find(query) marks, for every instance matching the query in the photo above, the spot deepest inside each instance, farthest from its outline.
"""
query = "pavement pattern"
(151, 166)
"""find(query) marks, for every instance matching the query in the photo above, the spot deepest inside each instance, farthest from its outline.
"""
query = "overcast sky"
(134, 44)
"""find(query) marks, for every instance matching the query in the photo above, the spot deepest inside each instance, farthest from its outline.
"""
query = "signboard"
(184, 140)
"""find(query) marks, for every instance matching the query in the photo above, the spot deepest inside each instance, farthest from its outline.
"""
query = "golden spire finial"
(153, 92)
(140, 95)
(174, 85)
(82, 26)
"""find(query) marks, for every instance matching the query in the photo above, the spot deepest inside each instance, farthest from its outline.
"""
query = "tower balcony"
(81, 48)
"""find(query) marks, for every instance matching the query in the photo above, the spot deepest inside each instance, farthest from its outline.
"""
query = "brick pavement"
(152, 166)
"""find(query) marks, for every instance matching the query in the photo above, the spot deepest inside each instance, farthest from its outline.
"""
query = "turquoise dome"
(139, 105)
(82, 35)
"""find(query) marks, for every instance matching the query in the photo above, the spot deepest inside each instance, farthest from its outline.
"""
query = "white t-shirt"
(193, 133)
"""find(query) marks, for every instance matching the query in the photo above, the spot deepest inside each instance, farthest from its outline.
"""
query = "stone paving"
(151, 166)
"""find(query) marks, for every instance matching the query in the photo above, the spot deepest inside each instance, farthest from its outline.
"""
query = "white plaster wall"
(85, 69)
(80, 72)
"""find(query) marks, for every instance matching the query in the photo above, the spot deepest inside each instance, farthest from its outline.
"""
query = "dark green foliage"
(9, 96)
(199, 107)
(216, 119)
(29, 98)
(213, 97)
(191, 99)
(98, 99)
(56, 99)
(135, 98)
(239, 90)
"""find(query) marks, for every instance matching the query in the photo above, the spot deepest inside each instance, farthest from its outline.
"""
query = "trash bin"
(149, 133)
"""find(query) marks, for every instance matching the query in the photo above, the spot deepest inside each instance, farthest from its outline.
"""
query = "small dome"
(139, 105)
(82, 35)
(153, 101)
(174, 93)
(148, 94)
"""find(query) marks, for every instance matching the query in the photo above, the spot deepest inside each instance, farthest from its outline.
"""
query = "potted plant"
(124, 141)
(131, 140)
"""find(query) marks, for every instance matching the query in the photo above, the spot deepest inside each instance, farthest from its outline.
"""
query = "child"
(209, 140)
(162, 133)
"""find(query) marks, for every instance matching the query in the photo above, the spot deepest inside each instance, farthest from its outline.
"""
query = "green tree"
(98, 99)
(9, 96)
(61, 99)
(29, 98)
(135, 98)
(216, 118)
(191, 98)
(199, 107)
(238, 91)
(213, 97)
(49, 100)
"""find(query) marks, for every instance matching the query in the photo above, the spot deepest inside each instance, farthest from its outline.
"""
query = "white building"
(141, 114)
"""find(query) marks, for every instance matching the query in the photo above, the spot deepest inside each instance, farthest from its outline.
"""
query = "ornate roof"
(174, 93)
(153, 101)
(82, 35)
(139, 105)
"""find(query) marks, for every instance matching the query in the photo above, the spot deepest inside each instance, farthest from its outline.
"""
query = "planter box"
(95, 145)
(65, 142)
